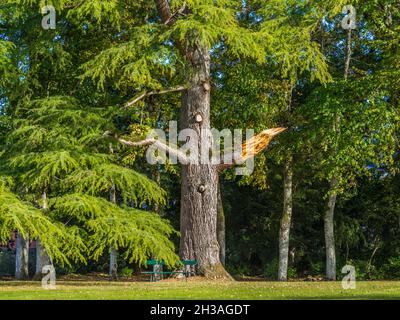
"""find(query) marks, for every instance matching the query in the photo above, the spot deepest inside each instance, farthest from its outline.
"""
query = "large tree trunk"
(199, 189)
(286, 219)
(199, 181)
(21, 258)
(221, 228)
(42, 258)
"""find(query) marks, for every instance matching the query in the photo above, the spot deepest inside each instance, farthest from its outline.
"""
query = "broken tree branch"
(252, 147)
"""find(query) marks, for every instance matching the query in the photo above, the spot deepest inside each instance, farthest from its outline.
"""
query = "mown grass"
(199, 290)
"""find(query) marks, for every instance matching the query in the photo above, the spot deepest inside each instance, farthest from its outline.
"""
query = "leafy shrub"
(292, 272)
(364, 271)
(317, 268)
(126, 272)
(391, 269)
(360, 266)
(242, 270)
(271, 269)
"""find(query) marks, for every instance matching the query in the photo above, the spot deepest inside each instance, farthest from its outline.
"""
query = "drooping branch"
(152, 93)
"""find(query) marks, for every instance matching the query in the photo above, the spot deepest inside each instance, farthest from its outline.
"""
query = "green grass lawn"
(199, 290)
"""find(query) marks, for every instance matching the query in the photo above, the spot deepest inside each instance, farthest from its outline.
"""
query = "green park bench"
(155, 273)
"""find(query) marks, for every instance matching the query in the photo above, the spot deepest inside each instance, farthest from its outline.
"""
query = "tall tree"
(268, 93)
(353, 140)
(183, 33)
(70, 158)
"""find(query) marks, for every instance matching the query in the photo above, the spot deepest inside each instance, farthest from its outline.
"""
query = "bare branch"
(152, 93)
(182, 157)
(146, 142)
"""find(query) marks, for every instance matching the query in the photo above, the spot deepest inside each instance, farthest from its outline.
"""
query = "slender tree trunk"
(330, 210)
(348, 54)
(113, 273)
(42, 258)
(113, 270)
(157, 267)
(376, 247)
(284, 232)
(199, 189)
(157, 179)
(329, 233)
(221, 228)
(286, 220)
(22, 258)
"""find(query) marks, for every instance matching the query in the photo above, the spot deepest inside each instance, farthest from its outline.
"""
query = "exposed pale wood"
(252, 147)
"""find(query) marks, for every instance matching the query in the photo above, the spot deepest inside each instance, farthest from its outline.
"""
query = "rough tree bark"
(286, 220)
(21, 258)
(199, 189)
(42, 258)
(330, 210)
(221, 228)
(199, 181)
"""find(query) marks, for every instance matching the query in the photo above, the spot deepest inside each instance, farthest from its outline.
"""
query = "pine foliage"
(62, 244)
(142, 234)
(58, 147)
